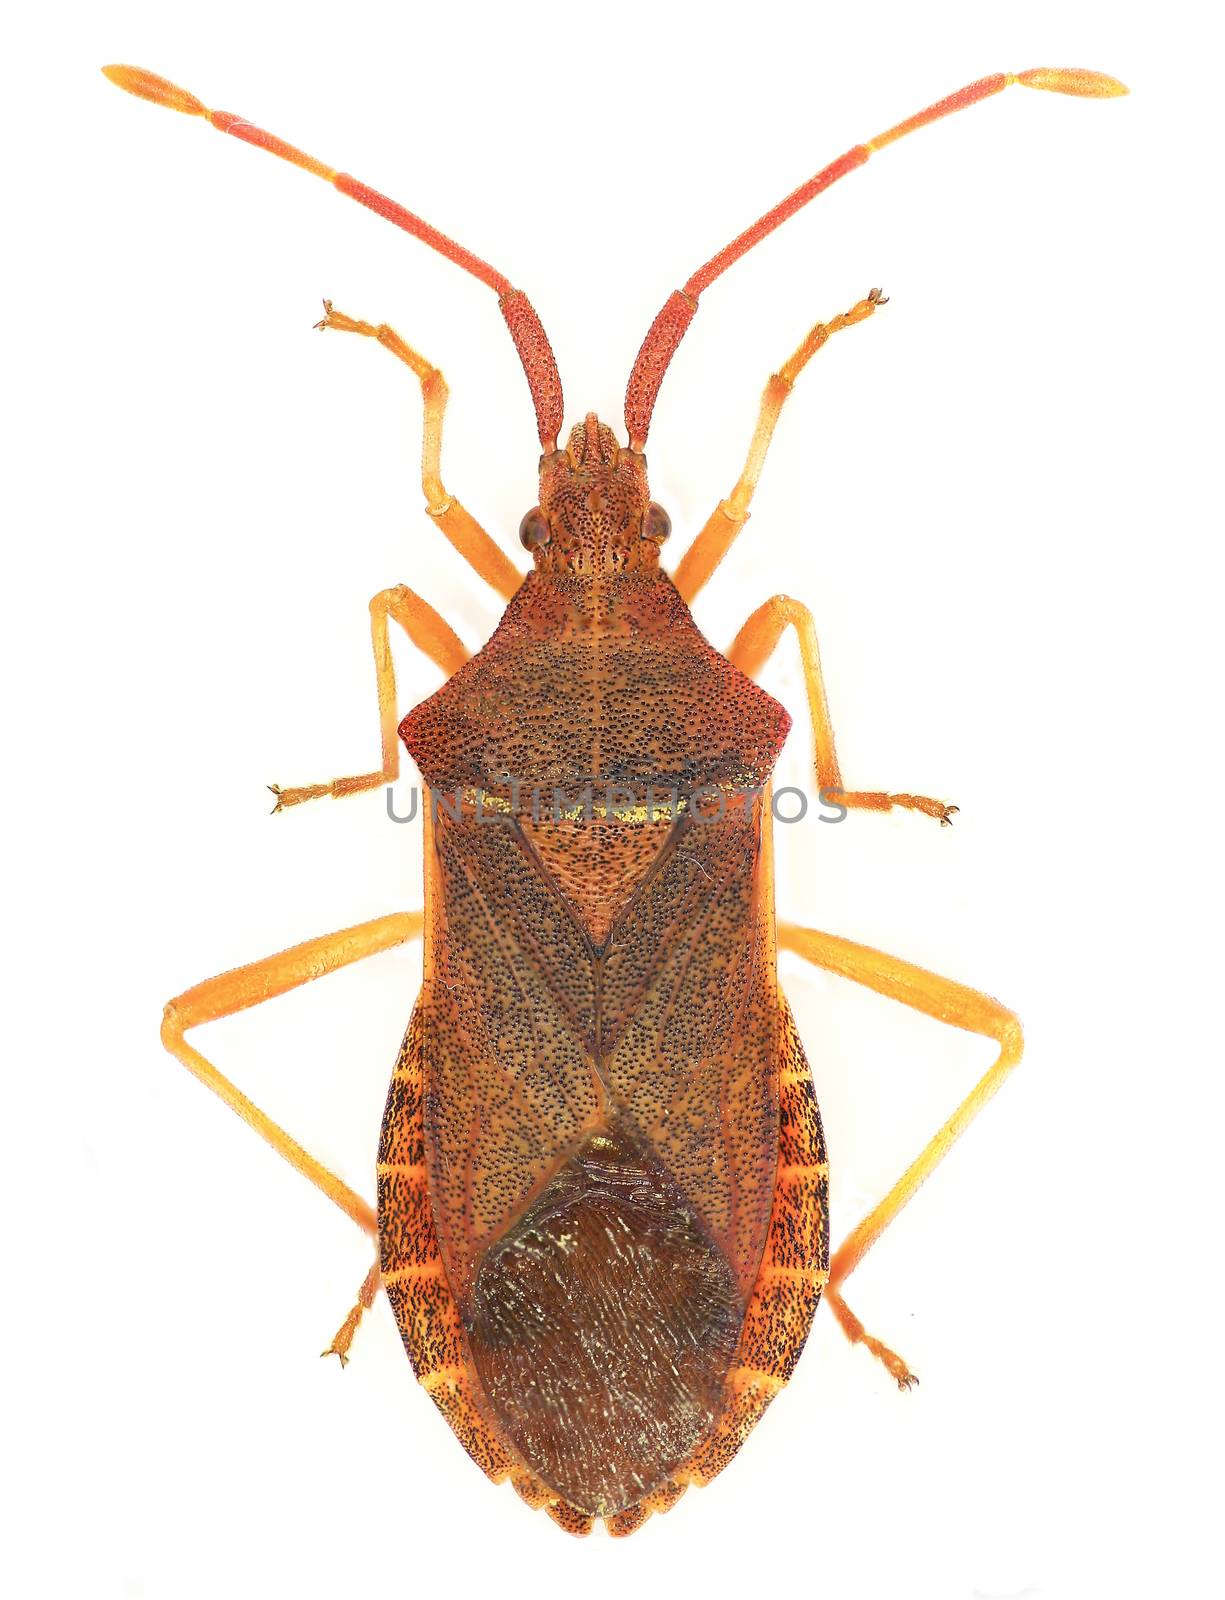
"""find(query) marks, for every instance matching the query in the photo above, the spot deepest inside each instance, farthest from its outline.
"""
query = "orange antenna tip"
(160, 90)
(526, 331)
(1073, 80)
(669, 327)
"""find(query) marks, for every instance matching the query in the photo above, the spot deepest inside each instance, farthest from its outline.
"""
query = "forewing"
(691, 1026)
(509, 1009)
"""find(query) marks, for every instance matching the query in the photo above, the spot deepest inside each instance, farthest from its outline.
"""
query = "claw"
(878, 297)
(339, 1354)
(327, 312)
(275, 788)
(946, 821)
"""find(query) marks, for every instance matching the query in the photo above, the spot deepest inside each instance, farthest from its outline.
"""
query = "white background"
(1001, 499)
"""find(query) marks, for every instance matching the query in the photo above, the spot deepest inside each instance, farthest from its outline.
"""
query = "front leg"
(456, 522)
(752, 648)
(434, 637)
(726, 521)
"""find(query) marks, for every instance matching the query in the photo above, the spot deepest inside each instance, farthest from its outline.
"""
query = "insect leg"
(434, 637)
(752, 648)
(730, 515)
(264, 980)
(459, 525)
(948, 1002)
(365, 1299)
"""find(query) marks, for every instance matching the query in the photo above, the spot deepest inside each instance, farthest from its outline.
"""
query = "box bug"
(602, 1214)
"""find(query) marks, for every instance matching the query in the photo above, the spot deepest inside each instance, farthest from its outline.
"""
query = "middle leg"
(434, 637)
(753, 647)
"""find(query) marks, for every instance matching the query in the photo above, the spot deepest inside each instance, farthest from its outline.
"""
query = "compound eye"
(534, 529)
(657, 524)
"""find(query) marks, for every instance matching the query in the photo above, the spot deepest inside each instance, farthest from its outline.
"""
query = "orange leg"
(730, 515)
(459, 525)
(435, 638)
(365, 1299)
(750, 651)
(250, 986)
(948, 1002)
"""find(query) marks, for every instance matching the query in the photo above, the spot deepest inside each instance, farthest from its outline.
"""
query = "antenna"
(525, 326)
(670, 326)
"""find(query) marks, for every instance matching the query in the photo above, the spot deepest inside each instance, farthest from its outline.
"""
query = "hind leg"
(365, 1299)
(264, 980)
(857, 1334)
(948, 1002)
(251, 986)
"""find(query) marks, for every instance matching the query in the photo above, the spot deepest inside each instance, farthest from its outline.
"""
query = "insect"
(602, 1179)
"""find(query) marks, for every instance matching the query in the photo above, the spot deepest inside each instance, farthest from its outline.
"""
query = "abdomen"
(610, 1361)
(626, 1272)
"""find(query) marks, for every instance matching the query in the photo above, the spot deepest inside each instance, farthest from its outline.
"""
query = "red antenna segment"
(669, 327)
(525, 326)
